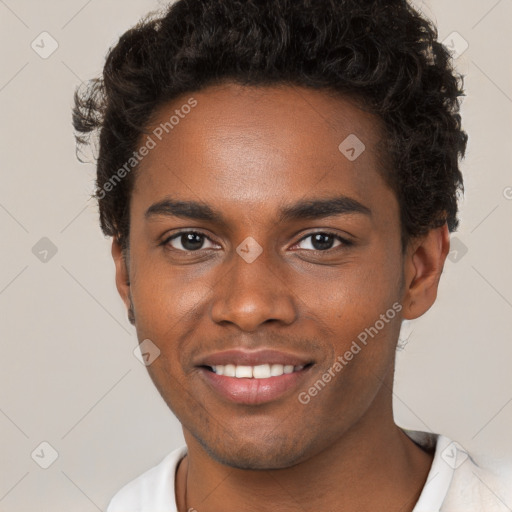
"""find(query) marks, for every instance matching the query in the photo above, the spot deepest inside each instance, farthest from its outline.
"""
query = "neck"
(372, 466)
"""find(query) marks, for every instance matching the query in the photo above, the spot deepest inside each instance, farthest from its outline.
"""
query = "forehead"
(241, 145)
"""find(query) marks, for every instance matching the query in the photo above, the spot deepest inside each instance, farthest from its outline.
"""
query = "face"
(251, 230)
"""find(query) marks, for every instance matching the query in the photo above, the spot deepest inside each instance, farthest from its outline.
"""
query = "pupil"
(191, 241)
(320, 243)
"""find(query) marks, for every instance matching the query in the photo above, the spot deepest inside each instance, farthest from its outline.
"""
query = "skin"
(247, 152)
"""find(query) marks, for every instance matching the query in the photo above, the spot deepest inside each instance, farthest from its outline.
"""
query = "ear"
(122, 274)
(423, 266)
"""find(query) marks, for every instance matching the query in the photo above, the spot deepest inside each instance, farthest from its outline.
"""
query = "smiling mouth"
(261, 371)
(253, 385)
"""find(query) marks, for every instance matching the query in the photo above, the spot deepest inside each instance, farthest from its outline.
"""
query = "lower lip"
(253, 391)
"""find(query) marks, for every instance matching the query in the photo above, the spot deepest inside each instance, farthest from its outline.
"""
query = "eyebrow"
(302, 210)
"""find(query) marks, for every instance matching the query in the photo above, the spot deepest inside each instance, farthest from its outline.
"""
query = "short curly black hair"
(383, 52)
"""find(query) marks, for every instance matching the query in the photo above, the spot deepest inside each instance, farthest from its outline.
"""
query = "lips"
(253, 378)
(239, 357)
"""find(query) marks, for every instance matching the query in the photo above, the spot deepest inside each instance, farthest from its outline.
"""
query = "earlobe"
(423, 266)
(122, 273)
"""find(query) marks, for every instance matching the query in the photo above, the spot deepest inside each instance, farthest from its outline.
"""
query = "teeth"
(229, 370)
(276, 370)
(262, 371)
(243, 371)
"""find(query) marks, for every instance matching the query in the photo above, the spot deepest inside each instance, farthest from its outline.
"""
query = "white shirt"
(455, 483)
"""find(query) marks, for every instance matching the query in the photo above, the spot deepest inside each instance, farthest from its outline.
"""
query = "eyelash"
(344, 241)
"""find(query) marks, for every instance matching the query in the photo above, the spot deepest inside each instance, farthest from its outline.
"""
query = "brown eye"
(323, 241)
(188, 241)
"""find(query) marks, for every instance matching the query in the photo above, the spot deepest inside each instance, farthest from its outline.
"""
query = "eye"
(323, 241)
(191, 241)
(188, 241)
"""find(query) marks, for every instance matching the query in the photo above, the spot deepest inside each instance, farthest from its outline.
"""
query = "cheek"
(361, 309)
(166, 300)
(357, 295)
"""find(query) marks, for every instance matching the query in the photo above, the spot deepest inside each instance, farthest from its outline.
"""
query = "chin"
(255, 454)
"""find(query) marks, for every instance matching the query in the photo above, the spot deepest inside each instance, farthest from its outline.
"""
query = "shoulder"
(152, 490)
(479, 484)
(459, 481)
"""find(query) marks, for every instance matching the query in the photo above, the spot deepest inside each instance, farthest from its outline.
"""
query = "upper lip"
(253, 358)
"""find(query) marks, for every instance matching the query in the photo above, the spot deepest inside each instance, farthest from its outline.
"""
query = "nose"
(253, 293)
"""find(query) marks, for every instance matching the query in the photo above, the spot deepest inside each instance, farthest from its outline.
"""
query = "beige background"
(69, 376)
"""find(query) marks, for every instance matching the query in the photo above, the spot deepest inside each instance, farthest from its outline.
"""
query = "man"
(280, 179)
